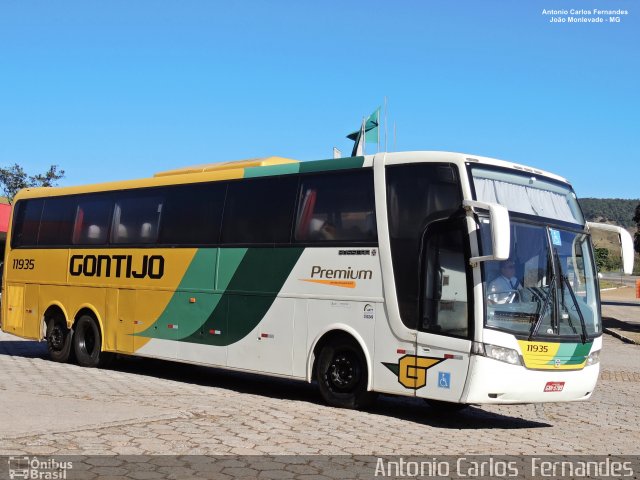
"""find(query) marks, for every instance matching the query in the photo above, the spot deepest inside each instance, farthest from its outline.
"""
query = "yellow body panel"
(202, 173)
(214, 167)
(13, 309)
(229, 174)
(100, 280)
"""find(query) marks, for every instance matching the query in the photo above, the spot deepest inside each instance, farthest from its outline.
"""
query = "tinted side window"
(57, 221)
(445, 308)
(93, 219)
(259, 210)
(417, 194)
(336, 207)
(192, 214)
(27, 222)
(136, 218)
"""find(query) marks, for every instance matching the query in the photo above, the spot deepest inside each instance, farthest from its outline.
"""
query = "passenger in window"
(322, 230)
(123, 233)
(506, 288)
(147, 232)
(94, 234)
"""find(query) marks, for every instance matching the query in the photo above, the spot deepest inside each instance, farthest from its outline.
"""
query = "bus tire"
(87, 343)
(59, 339)
(342, 375)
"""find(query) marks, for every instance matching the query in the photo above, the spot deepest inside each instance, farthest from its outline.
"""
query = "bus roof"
(463, 158)
(269, 166)
(213, 167)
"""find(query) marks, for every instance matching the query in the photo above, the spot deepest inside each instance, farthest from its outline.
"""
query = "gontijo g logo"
(412, 370)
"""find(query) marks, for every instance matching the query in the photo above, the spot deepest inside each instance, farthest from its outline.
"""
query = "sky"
(112, 90)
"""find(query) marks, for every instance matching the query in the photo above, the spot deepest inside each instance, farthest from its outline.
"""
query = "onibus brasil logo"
(34, 468)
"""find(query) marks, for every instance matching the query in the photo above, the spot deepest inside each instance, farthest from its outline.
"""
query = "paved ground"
(153, 407)
(621, 313)
(625, 294)
(119, 420)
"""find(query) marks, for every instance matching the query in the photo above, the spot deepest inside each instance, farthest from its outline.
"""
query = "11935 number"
(538, 348)
(24, 263)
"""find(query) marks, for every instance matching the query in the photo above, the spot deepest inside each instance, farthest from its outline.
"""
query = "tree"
(14, 178)
(636, 218)
(602, 258)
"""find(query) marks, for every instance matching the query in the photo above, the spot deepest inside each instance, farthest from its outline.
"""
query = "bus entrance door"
(443, 340)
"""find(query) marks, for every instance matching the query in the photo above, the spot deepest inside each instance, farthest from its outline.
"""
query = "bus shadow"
(626, 327)
(403, 408)
(24, 348)
(471, 418)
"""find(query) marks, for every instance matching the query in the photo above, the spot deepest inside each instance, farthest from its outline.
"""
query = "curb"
(614, 333)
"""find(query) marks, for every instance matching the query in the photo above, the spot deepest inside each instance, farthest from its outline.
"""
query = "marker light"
(503, 354)
(593, 358)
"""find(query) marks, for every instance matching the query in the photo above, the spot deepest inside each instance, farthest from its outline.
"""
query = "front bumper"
(493, 382)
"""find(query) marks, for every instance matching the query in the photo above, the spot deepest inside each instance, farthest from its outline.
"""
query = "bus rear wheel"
(59, 339)
(87, 343)
(342, 375)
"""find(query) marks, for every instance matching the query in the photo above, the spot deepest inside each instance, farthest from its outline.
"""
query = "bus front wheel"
(342, 375)
(87, 343)
(59, 339)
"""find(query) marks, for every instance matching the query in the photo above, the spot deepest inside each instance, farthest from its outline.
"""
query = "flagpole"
(378, 128)
(394, 136)
(386, 149)
(363, 133)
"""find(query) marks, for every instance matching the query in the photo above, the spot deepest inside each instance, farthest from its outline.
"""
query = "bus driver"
(505, 288)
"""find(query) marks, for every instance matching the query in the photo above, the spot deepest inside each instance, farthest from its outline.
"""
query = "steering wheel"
(512, 296)
(506, 296)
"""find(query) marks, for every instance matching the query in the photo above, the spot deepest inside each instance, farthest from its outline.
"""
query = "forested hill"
(615, 210)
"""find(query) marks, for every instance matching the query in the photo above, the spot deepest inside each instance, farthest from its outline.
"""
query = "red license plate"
(554, 386)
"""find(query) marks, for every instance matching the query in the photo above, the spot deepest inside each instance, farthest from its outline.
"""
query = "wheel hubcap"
(343, 372)
(56, 338)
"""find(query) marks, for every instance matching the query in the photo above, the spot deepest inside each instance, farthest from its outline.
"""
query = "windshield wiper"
(565, 281)
(547, 302)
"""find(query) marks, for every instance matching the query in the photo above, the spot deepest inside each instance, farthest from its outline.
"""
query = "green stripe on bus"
(331, 164)
(228, 261)
(572, 353)
(250, 294)
(199, 277)
(305, 167)
(284, 169)
(248, 283)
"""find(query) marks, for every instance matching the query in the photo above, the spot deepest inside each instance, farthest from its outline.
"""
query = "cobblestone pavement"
(142, 406)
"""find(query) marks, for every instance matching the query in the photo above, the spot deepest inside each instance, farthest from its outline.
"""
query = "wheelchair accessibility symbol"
(444, 380)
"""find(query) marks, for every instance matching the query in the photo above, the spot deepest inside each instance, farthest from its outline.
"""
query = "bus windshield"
(546, 288)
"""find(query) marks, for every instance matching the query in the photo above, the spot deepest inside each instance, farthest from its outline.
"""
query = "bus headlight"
(593, 358)
(503, 354)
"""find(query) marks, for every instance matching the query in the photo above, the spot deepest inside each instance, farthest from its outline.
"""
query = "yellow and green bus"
(383, 273)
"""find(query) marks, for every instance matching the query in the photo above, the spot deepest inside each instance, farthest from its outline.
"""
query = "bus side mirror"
(500, 230)
(626, 243)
